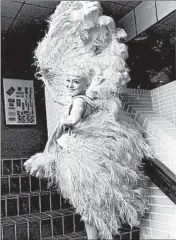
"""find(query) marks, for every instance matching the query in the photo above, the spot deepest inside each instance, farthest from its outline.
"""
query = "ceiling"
(23, 24)
(16, 15)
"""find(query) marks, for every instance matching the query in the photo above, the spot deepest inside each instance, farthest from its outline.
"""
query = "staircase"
(29, 211)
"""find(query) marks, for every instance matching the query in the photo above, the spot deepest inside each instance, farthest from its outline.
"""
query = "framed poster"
(19, 102)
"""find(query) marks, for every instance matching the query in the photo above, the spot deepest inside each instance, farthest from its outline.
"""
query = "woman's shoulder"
(84, 99)
(79, 102)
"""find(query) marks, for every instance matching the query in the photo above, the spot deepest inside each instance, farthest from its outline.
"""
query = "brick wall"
(160, 131)
(24, 141)
(161, 221)
(164, 101)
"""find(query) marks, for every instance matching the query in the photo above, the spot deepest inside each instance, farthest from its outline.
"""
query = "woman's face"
(76, 86)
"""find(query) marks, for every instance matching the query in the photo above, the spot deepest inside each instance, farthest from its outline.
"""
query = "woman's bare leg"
(92, 232)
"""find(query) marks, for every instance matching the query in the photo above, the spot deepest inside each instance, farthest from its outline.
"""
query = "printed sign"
(19, 102)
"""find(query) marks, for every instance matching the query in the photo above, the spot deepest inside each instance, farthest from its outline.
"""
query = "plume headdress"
(82, 42)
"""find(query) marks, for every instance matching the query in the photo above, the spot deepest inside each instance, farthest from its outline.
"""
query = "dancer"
(94, 154)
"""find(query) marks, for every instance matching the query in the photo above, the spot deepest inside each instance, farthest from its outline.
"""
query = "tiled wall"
(161, 221)
(161, 134)
(164, 101)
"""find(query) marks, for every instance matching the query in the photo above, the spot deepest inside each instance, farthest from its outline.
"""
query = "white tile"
(9, 8)
(145, 15)
(163, 210)
(162, 226)
(29, 12)
(160, 200)
(128, 23)
(159, 234)
(164, 8)
(5, 24)
(145, 223)
(144, 236)
(172, 235)
(163, 218)
(145, 231)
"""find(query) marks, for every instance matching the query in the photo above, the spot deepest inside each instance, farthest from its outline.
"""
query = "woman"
(94, 154)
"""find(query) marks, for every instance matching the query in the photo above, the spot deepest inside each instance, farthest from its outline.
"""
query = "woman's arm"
(76, 112)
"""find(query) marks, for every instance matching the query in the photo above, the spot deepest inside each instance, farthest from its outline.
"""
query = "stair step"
(13, 166)
(13, 184)
(31, 211)
(41, 225)
(52, 226)
(34, 202)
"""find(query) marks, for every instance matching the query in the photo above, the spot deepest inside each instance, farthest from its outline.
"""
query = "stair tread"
(23, 194)
(75, 236)
(37, 216)
(19, 197)
(79, 235)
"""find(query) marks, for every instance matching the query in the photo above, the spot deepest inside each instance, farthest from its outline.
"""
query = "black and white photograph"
(88, 120)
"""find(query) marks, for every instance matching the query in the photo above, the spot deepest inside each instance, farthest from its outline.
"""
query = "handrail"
(162, 176)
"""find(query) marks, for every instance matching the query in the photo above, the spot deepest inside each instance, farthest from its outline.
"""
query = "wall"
(53, 112)
(23, 141)
(164, 101)
(161, 221)
(160, 132)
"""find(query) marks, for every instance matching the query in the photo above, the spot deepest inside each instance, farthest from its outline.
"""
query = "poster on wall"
(19, 102)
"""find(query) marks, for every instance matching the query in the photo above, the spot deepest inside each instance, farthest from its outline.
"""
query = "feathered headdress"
(82, 42)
